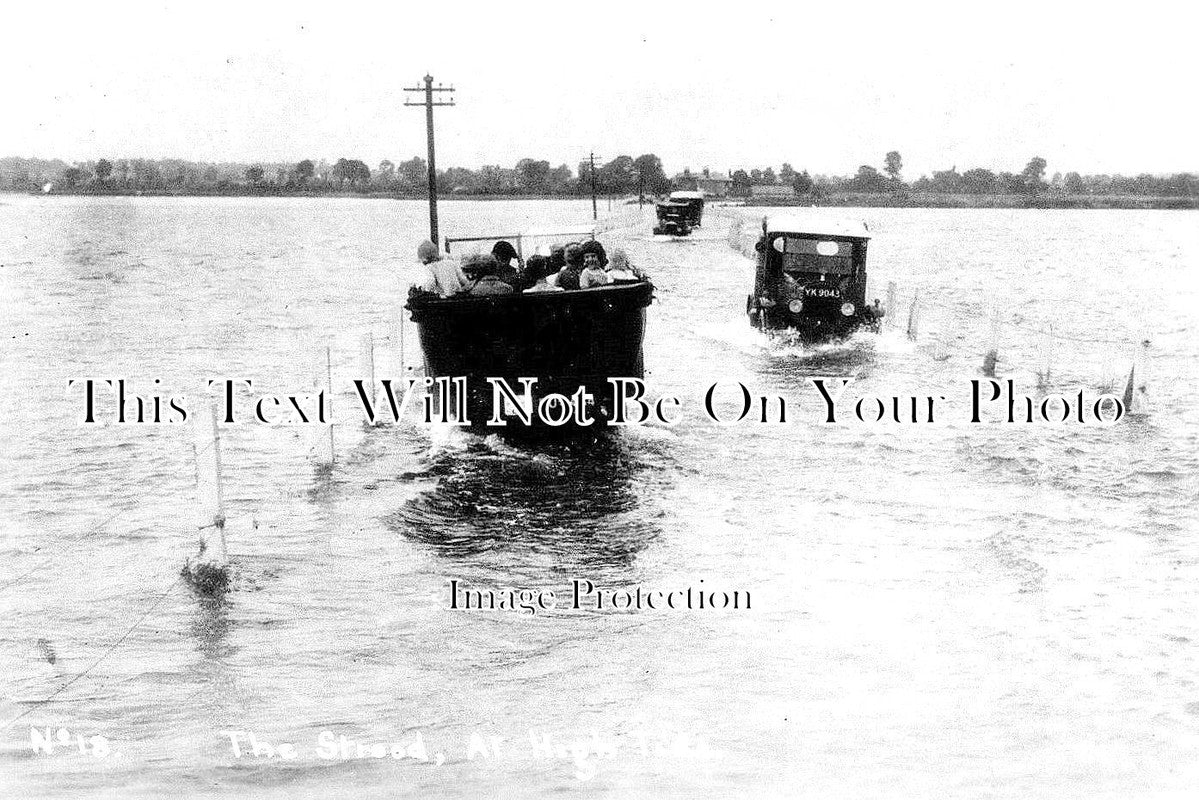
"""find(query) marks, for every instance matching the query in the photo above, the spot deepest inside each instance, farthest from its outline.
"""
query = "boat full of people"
(523, 334)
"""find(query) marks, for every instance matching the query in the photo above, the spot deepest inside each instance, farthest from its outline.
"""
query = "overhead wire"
(107, 652)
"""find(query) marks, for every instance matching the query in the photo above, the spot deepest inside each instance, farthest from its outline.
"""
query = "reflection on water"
(210, 626)
(580, 503)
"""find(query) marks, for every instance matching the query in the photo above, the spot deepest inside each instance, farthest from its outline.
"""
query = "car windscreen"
(825, 256)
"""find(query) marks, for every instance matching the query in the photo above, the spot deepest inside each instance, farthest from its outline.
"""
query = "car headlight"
(796, 306)
(847, 309)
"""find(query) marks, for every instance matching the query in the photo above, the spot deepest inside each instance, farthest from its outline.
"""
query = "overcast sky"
(824, 86)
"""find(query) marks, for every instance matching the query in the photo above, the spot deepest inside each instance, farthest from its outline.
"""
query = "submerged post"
(208, 570)
(322, 382)
(1046, 373)
(399, 342)
(594, 213)
(329, 453)
(429, 104)
(366, 358)
(991, 359)
(914, 317)
(1136, 390)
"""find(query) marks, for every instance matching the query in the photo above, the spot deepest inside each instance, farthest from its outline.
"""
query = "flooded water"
(946, 609)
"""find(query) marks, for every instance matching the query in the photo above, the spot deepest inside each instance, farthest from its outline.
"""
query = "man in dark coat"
(504, 254)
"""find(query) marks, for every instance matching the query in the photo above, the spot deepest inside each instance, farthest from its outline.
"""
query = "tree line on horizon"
(1029, 181)
(623, 175)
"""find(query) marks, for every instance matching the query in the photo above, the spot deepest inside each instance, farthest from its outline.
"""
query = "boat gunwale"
(624, 290)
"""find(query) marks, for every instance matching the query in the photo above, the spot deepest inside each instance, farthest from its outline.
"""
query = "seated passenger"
(620, 270)
(445, 275)
(488, 282)
(537, 270)
(592, 246)
(476, 265)
(504, 254)
(557, 258)
(568, 276)
(594, 260)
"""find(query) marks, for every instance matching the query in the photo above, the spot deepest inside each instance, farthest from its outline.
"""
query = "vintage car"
(811, 278)
(695, 206)
(674, 219)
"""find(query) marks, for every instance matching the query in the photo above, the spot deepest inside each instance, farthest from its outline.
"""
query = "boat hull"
(567, 341)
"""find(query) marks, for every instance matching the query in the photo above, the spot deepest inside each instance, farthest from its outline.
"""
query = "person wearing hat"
(445, 275)
(504, 254)
(484, 267)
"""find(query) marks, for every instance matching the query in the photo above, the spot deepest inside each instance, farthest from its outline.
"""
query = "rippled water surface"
(951, 609)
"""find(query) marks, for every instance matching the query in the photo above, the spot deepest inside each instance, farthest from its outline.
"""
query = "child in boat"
(594, 261)
(620, 270)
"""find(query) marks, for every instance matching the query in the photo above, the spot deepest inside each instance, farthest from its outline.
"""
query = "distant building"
(684, 181)
(773, 192)
(713, 184)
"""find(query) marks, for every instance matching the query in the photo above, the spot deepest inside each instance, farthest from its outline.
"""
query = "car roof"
(814, 225)
(686, 195)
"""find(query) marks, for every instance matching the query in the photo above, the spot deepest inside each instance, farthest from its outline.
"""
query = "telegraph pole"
(594, 213)
(429, 104)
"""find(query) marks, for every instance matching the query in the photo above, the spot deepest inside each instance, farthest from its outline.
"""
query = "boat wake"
(580, 506)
